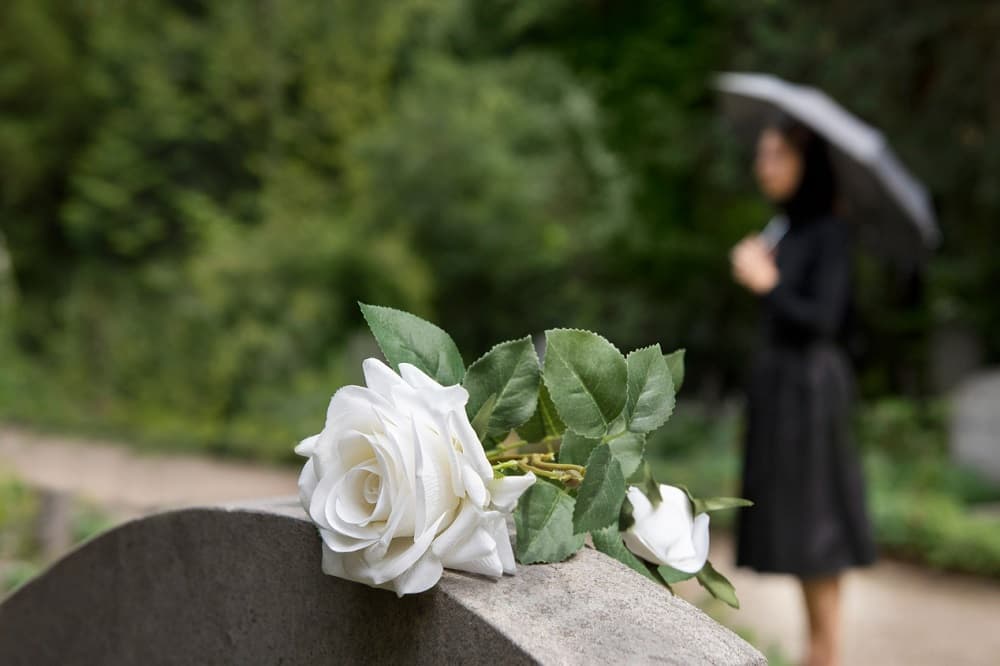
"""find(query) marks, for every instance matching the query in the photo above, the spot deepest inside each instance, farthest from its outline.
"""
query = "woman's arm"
(822, 312)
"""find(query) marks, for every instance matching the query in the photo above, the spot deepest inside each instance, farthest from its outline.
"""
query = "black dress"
(800, 468)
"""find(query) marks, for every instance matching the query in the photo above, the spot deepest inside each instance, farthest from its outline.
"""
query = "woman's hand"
(753, 265)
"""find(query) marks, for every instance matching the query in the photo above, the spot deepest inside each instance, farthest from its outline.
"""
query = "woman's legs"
(822, 596)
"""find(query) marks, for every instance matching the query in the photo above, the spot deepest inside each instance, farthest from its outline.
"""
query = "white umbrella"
(891, 208)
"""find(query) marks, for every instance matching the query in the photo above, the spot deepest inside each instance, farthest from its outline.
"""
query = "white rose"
(400, 486)
(667, 534)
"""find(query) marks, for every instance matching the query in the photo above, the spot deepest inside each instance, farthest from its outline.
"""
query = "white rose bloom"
(667, 534)
(400, 486)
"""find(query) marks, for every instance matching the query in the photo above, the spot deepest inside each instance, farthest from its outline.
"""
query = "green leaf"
(675, 361)
(648, 484)
(406, 338)
(544, 521)
(699, 505)
(626, 519)
(628, 450)
(722, 503)
(609, 542)
(650, 390)
(545, 422)
(599, 500)
(671, 575)
(576, 449)
(510, 372)
(480, 421)
(717, 585)
(587, 378)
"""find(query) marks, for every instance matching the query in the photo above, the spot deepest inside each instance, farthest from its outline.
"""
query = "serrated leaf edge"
(534, 355)
(560, 360)
(368, 323)
(628, 393)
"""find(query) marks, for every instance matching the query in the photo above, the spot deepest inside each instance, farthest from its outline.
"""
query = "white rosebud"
(400, 486)
(667, 534)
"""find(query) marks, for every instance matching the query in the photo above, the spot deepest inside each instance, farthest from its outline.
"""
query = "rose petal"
(400, 556)
(641, 506)
(700, 536)
(323, 511)
(485, 566)
(497, 523)
(319, 500)
(434, 498)
(398, 449)
(506, 490)
(454, 458)
(307, 445)
(463, 539)
(436, 396)
(379, 377)
(475, 489)
(351, 505)
(333, 564)
(353, 448)
(347, 566)
(472, 448)
(342, 543)
(351, 409)
(399, 525)
(635, 543)
(667, 534)
(420, 577)
(307, 483)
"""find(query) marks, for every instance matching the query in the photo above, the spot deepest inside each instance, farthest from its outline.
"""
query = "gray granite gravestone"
(975, 423)
(242, 585)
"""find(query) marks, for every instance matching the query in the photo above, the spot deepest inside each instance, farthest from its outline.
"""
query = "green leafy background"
(195, 194)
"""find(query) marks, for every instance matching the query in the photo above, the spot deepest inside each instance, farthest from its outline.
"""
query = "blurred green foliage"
(18, 548)
(20, 556)
(195, 194)
(18, 507)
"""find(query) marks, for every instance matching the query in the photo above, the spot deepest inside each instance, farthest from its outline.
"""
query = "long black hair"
(816, 194)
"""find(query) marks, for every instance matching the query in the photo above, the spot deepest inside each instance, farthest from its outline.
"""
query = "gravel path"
(895, 613)
(129, 482)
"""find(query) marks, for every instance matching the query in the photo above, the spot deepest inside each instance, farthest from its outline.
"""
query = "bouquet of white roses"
(419, 469)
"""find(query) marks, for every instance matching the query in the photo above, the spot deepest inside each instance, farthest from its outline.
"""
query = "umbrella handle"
(775, 230)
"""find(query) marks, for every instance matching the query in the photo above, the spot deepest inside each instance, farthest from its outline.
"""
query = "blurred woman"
(800, 468)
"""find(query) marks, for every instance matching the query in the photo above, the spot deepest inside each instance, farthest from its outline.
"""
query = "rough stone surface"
(242, 585)
(975, 423)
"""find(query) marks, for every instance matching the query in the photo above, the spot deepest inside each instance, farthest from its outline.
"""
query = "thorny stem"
(541, 464)
(540, 472)
(506, 464)
(519, 456)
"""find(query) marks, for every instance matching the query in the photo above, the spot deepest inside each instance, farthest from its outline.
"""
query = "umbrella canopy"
(890, 207)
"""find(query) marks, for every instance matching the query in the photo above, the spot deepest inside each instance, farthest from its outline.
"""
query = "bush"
(218, 186)
(20, 559)
(18, 508)
(937, 529)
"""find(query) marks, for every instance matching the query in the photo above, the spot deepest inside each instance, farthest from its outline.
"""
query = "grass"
(20, 553)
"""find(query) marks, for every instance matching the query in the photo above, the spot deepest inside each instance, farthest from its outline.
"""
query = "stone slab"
(243, 585)
(975, 423)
